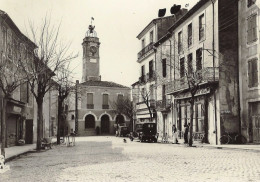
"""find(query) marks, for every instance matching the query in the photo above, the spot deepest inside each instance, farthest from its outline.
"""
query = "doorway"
(29, 131)
(254, 122)
(105, 124)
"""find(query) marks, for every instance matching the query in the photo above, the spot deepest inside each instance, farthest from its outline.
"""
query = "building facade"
(199, 51)
(145, 95)
(205, 54)
(249, 69)
(20, 107)
(94, 112)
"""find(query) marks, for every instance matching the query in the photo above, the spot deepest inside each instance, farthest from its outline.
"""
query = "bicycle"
(233, 138)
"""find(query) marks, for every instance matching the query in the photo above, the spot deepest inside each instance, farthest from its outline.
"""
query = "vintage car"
(148, 132)
(123, 131)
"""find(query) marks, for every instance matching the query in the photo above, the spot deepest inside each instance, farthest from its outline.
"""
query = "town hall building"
(94, 112)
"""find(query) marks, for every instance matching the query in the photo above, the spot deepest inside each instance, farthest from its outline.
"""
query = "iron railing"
(203, 76)
(145, 50)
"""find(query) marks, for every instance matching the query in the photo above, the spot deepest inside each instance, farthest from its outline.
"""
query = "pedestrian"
(186, 132)
(174, 134)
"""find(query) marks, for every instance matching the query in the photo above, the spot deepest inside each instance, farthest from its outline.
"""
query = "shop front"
(15, 122)
(200, 113)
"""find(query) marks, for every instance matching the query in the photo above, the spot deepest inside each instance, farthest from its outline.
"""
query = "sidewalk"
(249, 147)
(15, 151)
(12, 152)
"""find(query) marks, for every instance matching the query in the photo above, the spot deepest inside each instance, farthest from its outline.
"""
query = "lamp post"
(76, 107)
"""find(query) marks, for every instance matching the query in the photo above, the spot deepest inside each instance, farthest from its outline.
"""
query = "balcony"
(145, 50)
(204, 76)
(163, 104)
(150, 76)
(142, 79)
(90, 106)
(151, 101)
(105, 106)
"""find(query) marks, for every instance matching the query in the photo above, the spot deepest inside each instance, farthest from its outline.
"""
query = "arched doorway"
(105, 124)
(89, 121)
(120, 120)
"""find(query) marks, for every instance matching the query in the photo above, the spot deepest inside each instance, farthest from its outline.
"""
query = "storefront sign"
(17, 109)
(188, 94)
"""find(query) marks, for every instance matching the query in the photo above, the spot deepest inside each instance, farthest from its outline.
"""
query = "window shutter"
(255, 73)
(253, 24)
(89, 98)
(249, 74)
(105, 99)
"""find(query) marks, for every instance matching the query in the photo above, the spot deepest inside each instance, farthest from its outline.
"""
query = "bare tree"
(64, 87)
(191, 75)
(50, 56)
(10, 80)
(124, 106)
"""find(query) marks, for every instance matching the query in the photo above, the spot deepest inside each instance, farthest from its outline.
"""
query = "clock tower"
(91, 56)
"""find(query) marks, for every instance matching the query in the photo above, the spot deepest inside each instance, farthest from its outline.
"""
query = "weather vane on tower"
(91, 27)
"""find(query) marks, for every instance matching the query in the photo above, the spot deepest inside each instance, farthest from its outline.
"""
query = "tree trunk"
(39, 123)
(191, 120)
(59, 119)
(3, 127)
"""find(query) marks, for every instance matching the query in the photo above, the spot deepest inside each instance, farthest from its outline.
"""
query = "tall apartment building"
(249, 68)
(204, 45)
(144, 91)
(95, 98)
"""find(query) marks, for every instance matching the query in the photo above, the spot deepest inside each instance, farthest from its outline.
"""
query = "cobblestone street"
(110, 159)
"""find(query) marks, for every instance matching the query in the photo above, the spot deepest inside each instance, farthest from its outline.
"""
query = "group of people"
(175, 133)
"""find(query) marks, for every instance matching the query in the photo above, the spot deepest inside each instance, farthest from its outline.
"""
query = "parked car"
(123, 131)
(148, 133)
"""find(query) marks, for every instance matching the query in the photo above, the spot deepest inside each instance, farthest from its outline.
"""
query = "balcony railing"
(105, 106)
(145, 50)
(150, 76)
(163, 104)
(203, 76)
(90, 106)
(142, 79)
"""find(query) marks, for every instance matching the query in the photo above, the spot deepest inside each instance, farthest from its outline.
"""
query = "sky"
(117, 23)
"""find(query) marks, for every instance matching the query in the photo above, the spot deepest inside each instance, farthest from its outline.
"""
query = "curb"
(229, 148)
(17, 155)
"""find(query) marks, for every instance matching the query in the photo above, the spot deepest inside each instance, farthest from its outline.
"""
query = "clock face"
(93, 49)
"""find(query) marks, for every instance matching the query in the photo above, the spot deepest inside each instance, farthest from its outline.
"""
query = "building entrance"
(105, 124)
(254, 122)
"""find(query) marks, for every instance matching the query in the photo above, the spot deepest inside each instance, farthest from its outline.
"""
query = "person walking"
(174, 134)
(186, 132)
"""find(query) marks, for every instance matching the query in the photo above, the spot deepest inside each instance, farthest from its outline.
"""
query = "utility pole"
(76, 107)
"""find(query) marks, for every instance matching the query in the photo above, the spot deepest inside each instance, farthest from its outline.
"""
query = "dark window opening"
(164, 68)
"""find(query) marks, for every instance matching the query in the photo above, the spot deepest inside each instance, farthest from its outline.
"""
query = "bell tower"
(91, 55)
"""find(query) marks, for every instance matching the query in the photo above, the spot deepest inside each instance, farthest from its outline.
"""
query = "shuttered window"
(251, 29)
(199, 59)
(164, 67)
(190, 66)
(182, 67)
(105, 99)
(252, 73)
(189, 35)
(120, 97)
